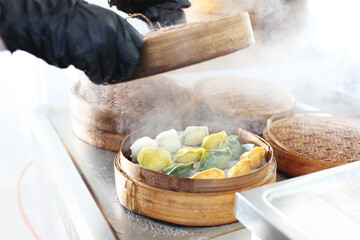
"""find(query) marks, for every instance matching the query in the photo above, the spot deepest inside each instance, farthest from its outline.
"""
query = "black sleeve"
(72, 32)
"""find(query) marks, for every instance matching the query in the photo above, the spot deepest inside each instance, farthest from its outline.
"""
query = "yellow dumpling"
(213, 141)
(212, 173)
(155, 159)
(188, 154)
(256, 155)
(241, 168)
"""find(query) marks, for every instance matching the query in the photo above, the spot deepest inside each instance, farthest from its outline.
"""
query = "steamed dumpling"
(213, 141)
(188, 154)
(241, 168)
(215, 159)
(232, 142)
(155, 159)
(144, 142)
(256, 155)
(179, 169)
(212, 173)
(193, 135)
(169, 140)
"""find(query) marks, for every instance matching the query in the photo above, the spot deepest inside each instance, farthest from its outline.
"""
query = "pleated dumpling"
(188, 154)
(144, 142)
(215, 159)
(232, 142)
(179, 169)
(212, 173)
(169, 140)
(256, 155)
(213, 141)
(193, 135)
(241, 168)
(155, 159)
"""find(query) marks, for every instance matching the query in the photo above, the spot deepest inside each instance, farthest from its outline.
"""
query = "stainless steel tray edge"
(255, 211)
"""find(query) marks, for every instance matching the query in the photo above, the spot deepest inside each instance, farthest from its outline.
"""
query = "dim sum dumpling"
(256, 155)
(169, 140)
(212, 173)
(236, 148)
(188, 154)
(179, 169)
(193, 135)
(155, 159)
(215, 159)
(241, 168)
(213, 141)
(144, 142)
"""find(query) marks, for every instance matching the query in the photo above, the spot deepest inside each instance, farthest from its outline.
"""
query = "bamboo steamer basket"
(102, 115)
(186, 44)
(185, 201)
(308, 142)
(247, 103)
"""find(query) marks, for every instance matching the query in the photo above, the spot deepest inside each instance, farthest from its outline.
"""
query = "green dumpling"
(215, 159)
(179, 169)
(232, 142)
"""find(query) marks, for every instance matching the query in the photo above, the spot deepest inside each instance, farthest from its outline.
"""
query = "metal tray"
(322, 205)
(81, 177)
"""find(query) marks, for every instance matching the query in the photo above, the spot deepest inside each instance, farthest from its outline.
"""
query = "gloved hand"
(72, 32)
(164, 12)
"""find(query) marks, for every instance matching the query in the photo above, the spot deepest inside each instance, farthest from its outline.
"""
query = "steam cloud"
(298, 47)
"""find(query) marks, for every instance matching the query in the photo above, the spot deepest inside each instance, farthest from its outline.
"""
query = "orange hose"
(20, 206)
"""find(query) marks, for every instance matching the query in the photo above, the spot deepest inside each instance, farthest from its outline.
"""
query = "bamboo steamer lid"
(186, 201)
(308, 142)
(246, 103)
(186, 44)
(104, 115)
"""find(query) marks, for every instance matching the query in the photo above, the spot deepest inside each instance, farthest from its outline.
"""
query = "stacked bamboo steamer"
(308, 142)
(246, 103)
(186, 201)
(104, 115)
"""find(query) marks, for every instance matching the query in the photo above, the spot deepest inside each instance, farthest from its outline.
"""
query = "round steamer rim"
(119, 168)
(180, 184)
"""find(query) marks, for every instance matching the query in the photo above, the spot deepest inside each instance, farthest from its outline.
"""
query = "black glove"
(164, 12)
(72, 32)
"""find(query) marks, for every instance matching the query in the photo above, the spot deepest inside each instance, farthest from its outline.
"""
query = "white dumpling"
(138, 145)
(169, 140)
(193, 135)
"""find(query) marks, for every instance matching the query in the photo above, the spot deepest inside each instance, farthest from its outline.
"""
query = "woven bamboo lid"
(122, 108)
(310, 142)
(240, 99)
